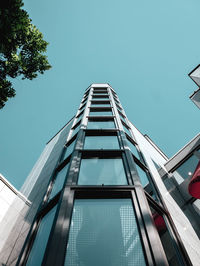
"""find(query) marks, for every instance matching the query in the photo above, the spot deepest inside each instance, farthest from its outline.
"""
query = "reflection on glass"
(68, 150)
(126, 130)
(102, 171)
(104, 232)
(142, 175)
(75, 130)
(59, 181)
(40, 242)
(165, 238)
(133, 149)
(100, 124)
(187, 169)
(104, 113)
(101, 142)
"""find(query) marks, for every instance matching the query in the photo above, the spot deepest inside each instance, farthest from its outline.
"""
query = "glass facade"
(101, 124)
(101, 142)
(187, 169)
(39, 245)
(59, 181)
(102, 113)
(104, 232)
(98, 171)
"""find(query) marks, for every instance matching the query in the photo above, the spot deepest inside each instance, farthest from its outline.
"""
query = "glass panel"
(101, 142)
(59, 181)
(196, 205)
(100, 96)
(104, 113)
(104, 232)
(165, 238)
(100, 124)
(187, 169)
(133, 149)
(100, 104)
(68, 150)
(142, 175)
(126, 130)
(40, 242)
(102, 171)
(75, 130)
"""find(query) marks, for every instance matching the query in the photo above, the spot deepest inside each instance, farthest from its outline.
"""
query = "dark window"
(59, 181)
(68, 149)
(80, 114)
(40, 242)
(165, 237)
(82, 106)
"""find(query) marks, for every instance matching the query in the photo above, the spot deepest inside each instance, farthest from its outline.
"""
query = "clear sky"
(143, 49)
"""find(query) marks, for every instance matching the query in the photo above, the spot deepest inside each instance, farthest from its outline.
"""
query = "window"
(82, 106)
(98, 124)
(187, 169)
(126, 129)
(165, 237)
(100, 103)
(133, 148)
(98, 171)
(101, 113)
(142, 175)
(40, 242)
(69, 149)
(80, 114)
(104, 232)
(101, 142)
(59, 181)
(103, 96)
(118, 107)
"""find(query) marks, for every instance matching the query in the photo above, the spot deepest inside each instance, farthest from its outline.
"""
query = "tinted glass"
(68, 150)
(76, 130)
(104, 232)
(101, 142)
(142, 175)
(187, 169)
(39, 245)
(133, 149)
(100, 124)
(126, 130)
(97, 171)
(104, 113)
(165, 238)
(100, 96)
(59, 181)
(100, 104)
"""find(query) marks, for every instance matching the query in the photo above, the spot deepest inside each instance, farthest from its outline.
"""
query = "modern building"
(195, 76)
(104, 194)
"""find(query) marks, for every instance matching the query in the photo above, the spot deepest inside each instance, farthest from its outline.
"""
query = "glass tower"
(95, 198)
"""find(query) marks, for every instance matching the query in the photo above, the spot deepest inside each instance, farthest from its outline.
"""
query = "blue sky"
(143, 49)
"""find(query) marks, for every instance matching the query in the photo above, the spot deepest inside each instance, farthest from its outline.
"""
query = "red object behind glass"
(194, 185)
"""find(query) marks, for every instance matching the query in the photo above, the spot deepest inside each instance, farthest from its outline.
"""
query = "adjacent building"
(102, 193)
(195, 76)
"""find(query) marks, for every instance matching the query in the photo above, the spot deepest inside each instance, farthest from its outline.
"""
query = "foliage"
(21, 47)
